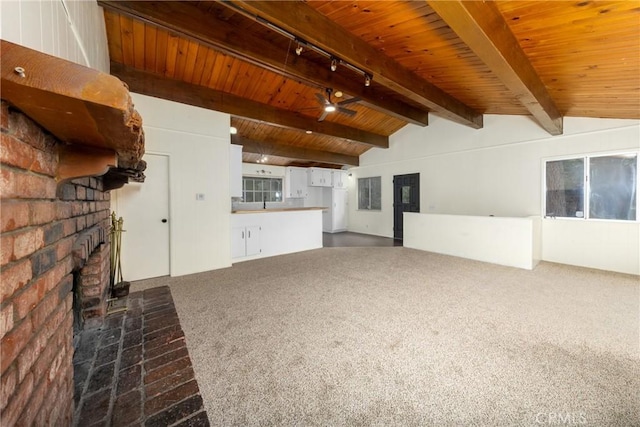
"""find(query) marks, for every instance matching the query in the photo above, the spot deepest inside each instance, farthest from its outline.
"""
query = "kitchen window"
(370, 193)
(257, 189)
(592, 187)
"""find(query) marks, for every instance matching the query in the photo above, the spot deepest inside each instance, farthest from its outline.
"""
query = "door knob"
(164, 220)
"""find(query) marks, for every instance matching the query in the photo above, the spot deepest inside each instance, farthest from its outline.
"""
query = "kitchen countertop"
(253, 211)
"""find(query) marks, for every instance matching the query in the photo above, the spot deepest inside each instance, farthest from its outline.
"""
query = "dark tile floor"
(136, 370)
(356, 239)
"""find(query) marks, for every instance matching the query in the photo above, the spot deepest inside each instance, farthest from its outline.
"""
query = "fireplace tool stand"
(118, 288)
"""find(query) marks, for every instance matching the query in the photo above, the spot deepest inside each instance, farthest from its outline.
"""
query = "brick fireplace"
(52, 237)
(65, 143)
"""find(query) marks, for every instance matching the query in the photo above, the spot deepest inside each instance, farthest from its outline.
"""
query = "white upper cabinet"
(339, 179)
(319, 177)
(296, 182)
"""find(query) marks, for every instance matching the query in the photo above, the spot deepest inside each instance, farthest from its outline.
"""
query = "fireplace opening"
(78, 324)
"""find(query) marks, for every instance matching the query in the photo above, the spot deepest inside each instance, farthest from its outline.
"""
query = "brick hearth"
(136, 370)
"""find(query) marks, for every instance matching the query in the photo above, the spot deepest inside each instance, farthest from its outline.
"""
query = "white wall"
(506, 241)
(197, 143)
(605, 245)
(496, 170)
(69, 29)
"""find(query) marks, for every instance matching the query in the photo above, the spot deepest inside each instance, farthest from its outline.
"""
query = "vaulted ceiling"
(455, 59)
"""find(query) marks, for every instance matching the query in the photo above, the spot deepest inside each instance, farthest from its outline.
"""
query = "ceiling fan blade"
(321, 99)
(323, 115)
(350, 101)
(346, 111)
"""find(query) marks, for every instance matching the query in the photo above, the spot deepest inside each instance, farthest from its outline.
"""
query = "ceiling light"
(299, 50)
(233, 130)
(330, 108)
(334, 64)
(309, 132)
(338, 94)
(367, 80)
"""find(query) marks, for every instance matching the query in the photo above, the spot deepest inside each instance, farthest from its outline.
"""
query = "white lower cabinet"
(245, 241)
(268, 233)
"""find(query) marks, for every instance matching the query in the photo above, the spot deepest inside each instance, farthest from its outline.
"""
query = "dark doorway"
(406, 198)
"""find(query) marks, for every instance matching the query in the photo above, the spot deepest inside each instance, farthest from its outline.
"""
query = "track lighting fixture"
(301, 43)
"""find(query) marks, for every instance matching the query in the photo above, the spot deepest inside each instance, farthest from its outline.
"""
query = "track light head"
(334, 64)
(367, 79)
(299, 50)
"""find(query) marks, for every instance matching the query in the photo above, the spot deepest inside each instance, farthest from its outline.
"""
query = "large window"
(257, 189)
(597, 187)
(369, 193)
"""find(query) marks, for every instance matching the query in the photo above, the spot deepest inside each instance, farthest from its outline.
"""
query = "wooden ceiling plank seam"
(190, 64)
(208, 68)
(482, 27)
(181, 58)
(150, 35)
(126, 32)
(292, 152)
(218, 65)
(172, 55)
(238, 77)
(112, 24)
(223, 36)
(183, 92)
(201, 59)
(305, 22)
(162, 38)
(138, 44)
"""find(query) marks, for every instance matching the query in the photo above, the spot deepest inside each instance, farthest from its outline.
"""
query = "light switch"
(199, 196)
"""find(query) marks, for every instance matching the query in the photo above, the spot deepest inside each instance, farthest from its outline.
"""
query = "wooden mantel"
(90, 111)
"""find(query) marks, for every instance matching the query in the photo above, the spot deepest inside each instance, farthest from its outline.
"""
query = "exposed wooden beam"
(191, 22)
(482, 27)
(291, 152)
(162, 87)
(77, 104)
(298, 18)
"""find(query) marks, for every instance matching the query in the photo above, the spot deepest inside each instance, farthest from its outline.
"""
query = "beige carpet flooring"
(399, 337)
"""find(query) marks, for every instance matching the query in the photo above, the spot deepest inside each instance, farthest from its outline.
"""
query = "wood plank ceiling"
(455, 59)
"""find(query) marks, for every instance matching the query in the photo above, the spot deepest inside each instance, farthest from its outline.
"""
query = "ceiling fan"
(329, 107)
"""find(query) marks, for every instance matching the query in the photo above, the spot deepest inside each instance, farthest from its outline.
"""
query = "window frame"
(254, 178)
(586, 157)
(369, 178)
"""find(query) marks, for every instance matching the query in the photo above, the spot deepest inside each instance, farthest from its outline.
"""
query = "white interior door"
(145, 210)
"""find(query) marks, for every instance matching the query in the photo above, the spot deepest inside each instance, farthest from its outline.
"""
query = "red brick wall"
(41, 225)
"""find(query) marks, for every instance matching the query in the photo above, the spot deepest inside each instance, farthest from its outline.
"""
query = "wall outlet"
(199, 196)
